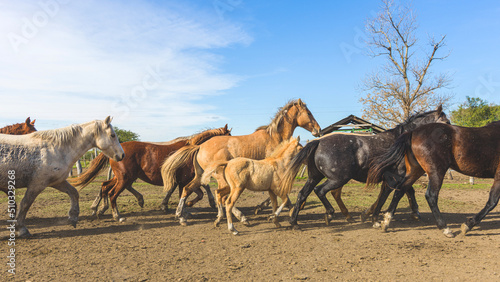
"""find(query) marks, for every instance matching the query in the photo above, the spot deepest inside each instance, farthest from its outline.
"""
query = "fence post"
(78, 167)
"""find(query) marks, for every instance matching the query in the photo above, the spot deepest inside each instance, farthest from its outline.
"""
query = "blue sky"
(166, 69)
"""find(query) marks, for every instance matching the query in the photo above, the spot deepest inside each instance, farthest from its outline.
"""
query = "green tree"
(475, 112)
(126, 135)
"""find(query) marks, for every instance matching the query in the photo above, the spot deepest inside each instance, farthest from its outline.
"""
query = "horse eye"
(113, 135)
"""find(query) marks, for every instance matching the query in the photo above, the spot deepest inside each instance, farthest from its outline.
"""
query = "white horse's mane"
(61, 136)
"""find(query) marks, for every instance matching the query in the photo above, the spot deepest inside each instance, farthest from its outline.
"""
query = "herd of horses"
(266, 160)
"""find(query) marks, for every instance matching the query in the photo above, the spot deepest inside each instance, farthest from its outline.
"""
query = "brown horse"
(142, 160)
(256, 175)
(257, 145)
(19, 128)
(433, 149)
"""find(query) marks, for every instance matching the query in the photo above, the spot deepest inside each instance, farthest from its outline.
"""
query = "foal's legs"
(74, 211)
(490, 205)
(233, 196)
(337, 196)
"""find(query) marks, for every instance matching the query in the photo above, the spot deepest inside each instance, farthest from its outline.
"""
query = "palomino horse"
(342, 157)
(257, 145)
(19, 128)
(142, 160)
(44, 158)
(433, 149)
(256, 175)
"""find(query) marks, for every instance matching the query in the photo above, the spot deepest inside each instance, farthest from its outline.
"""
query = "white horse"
(44, 158)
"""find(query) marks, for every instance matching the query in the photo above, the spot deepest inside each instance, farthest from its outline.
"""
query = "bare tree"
(404, 84)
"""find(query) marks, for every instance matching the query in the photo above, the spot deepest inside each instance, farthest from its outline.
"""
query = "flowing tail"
(393, 156)
(217, 168)
(294, 166)
(95, 166)
(175, 162)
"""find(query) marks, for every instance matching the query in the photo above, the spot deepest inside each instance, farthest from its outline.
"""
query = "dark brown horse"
(433, 149)
(142, 160)
(19, 128)
(342, 157)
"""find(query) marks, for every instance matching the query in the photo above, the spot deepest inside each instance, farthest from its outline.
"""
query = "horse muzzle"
(119, 157)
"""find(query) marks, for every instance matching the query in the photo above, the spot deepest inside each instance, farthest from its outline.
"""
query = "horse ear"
(33, 122)
(298, 139)
(225, 127)
(439, 109)
(28, 121)
(108, 120)
(300, 102)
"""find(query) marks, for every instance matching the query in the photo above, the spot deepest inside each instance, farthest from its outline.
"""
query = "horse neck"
(81, 143)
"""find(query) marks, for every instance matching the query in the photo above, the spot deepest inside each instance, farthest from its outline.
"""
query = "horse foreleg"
(74, 210)
(374, 209)
(490, 205)
(220, 194)
(431, 195)
(96, 203)
(337, 196)
(32, 191)
(262, 205)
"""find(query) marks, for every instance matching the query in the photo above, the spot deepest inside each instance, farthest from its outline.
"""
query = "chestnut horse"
(142, 160)
(257, 145)
(433, 149)
(19, 128)
(256, 175)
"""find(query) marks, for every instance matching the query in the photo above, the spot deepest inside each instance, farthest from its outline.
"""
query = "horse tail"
(393, 156)
(176, 161)
(217, 168)
(88, 176)
(295, 164)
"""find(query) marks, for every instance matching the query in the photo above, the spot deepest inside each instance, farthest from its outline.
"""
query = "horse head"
(107, 140)
(435, 116)
(306, 120)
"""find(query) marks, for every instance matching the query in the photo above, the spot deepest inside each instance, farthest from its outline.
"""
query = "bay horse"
(257, 145)
(256, 175)
(44, 158)
(19, 128)
(342, 157)
(142, 160)
(433, 149)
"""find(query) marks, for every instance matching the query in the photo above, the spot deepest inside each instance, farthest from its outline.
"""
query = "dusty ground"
(151, 246)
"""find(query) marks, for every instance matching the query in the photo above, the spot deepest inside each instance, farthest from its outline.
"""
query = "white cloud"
(145, 64)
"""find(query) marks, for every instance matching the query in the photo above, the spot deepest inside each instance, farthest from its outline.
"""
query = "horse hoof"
(183, 221)
(257, 210)
(294, 227)
(416, 216)
(384, 228)
(141, 203)
(376, 225)
(23, 233)
(235, 232)
(122, 219)
(73, 222)
(277, 224)
(363, 217)
(327, 220)
(350, 219)
(448, 233)
(464, 229)
(190, 204)
(246, 222)
(212, 205)
(291, 211)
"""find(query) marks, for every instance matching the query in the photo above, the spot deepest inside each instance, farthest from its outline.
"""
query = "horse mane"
(61, 136)
(274, 126)
(400, 127)
(197, 139)
(11, 128)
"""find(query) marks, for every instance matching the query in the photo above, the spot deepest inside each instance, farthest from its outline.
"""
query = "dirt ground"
(151, 246)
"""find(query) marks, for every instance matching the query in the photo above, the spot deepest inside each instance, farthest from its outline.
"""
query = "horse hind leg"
(138, 196)
(321, 191)
(74, 210)
(337, 196)
(199, 197)
(32, 191)
(490, 205)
